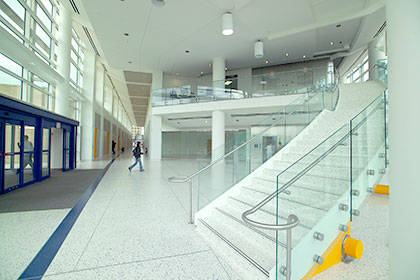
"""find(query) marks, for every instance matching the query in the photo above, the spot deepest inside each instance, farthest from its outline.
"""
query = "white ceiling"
(159, 36)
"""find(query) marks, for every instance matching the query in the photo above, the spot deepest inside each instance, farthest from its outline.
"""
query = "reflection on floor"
(61, 190)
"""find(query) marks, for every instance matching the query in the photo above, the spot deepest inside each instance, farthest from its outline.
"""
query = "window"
(38, 15)
(24, 85)
(76, 66)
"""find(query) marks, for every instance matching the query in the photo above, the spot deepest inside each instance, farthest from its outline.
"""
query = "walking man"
(137, 155)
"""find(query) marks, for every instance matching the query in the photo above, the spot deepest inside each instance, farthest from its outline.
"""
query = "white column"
(87, 122)
(374, 54)
(218, 135)
(155, 137)
(403, 34)
(157, 83)
(63, 61)
(219, 65)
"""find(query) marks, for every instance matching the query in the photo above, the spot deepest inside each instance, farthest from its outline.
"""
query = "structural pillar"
(403, 37)
(219, 65)
(63, 61)
(155, 137)
(374, 54)
(218, 135)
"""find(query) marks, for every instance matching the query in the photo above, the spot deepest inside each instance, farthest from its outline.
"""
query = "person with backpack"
(137, 155)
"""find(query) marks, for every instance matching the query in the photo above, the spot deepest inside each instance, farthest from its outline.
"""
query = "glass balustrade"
(273, 84)
(325, 187)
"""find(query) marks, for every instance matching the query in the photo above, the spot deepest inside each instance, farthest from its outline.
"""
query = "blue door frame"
(17, 113)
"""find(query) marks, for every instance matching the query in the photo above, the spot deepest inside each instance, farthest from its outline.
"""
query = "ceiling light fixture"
(187, 51)
(286, 54)
(227, 24)
(304, 56)
(126, 34)
(201, 73)
(259, 49)
(130, 62)
(331, 43)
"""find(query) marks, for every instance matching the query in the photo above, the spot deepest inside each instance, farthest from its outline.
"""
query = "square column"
(155, 137)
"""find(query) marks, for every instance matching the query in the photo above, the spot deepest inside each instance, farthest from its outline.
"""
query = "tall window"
(21, 84)
(32, 22)
(76, 66)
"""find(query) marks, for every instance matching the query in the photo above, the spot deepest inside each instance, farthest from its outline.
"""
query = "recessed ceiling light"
(304, 56)
(187, 51)
(201, 73)
(338, 25)
(331, 43)
(126, 34)
(130, 62)
(206, 121)
(237, 120)
(266, 61)
(286, 54)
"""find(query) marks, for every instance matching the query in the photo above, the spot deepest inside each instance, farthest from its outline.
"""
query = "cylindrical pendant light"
(259, 49)
(227, 24)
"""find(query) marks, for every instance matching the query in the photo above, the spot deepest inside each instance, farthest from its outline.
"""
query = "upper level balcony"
(266, 85)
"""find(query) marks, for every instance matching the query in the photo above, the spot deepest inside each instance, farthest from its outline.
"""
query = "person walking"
(28, 149)
(137, 155)
(113, 147)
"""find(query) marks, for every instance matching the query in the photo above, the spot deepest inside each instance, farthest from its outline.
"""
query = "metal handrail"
(188, 178)
(301, 173)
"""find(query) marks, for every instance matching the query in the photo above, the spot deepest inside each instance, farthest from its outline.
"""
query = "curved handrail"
(188, 178)
(300, 174)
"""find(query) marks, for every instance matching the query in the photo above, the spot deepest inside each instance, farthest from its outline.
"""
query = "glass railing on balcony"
(273, 84)
(317, 195)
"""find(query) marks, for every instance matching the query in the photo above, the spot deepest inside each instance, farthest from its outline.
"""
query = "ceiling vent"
(73, 5)
(159, 3)
(91, 40)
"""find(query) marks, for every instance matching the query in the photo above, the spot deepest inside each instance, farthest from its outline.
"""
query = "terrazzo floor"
(135, 227)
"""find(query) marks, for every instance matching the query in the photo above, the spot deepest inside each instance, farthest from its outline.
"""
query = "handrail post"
(191, 202)
(290, 219)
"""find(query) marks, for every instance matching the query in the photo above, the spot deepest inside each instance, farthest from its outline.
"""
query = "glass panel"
(28, 156)
(74, 44)
(45, 38)
(43, 17)
(11, 170)
(39, 98)
(10, 86)
(74, 56)
(73, 73)
(12, 138)
(45, 139)
(47, 4)
(67, 159)
(14, 13)
(45, 164)
(11, 65)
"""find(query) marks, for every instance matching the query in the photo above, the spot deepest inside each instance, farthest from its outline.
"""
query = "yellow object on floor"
(382, 189)
(331, 256)
(353, 247)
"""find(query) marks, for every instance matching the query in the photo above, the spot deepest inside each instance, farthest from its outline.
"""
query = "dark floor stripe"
(39, 265)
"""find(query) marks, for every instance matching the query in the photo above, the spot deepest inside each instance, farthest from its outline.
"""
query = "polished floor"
(135, 227)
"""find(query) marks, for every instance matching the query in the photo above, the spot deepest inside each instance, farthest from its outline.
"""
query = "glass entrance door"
(12, 158)
(28, 154)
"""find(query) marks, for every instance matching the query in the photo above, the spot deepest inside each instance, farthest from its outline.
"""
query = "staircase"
(256, 253)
